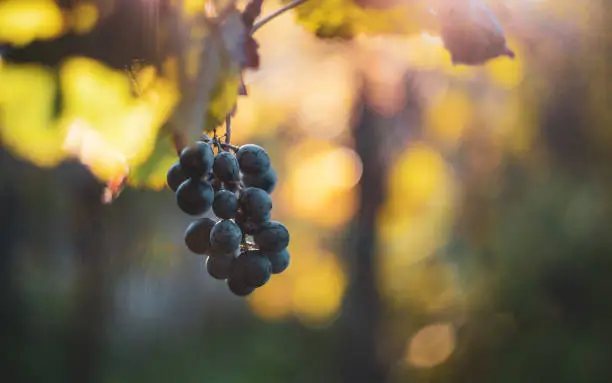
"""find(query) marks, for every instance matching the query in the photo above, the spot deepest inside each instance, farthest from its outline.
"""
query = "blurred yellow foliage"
(447, 116)
(507, 73)
(23, 21)
(100, 121)
(431, 345)
(27, 102)
(83, 17)
(337, 17)
(413, 224)
(311, 288)
(102, 99)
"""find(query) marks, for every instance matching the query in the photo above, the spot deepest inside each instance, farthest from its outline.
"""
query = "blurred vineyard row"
(478, 157)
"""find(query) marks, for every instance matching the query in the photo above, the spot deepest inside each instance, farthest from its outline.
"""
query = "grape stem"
(229, 146)
(228, 129)
(278, 12)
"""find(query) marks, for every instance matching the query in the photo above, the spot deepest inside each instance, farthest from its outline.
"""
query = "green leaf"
(152, 173)
(348, 18)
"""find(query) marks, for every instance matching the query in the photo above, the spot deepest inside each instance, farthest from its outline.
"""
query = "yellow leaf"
(27, 99)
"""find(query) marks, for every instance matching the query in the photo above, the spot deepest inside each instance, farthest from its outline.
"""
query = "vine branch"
(278, 12)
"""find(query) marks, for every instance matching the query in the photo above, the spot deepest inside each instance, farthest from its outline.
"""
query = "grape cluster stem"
(278, 12)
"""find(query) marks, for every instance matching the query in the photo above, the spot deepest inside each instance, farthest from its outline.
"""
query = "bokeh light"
(431, 345)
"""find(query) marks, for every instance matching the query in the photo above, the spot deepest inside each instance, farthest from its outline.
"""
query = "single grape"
(238, 287)
(196, 159)
(253, 159)
(175, 176)
(225, 204)
(272, 237)
(195, 197)
(225, 236)
(255, 203)
(226, 168)
(219, 267)
(265, 181)
(247, 225)
(253, 268)
(280, 260)
(197, 235)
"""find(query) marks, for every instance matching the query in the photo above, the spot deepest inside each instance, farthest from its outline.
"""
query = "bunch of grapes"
(243, 246)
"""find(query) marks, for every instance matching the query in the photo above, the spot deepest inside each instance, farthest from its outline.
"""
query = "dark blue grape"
(225, 236)
(197, 235)
(273, 237)
(175, 177)
(195, 197)
(220, 267)
(255, 203)
(196, 160)
(280, 261)
(265, 181)
(238, 287)
(253, 268)
(225, 204)
(247, 225)
(226, 167)
(253, 159)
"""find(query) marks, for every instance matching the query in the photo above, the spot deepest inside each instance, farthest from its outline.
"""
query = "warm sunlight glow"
(23, 21)
(431, 346)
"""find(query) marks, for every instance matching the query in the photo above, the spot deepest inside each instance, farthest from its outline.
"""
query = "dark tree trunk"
(360, 323)
(11, 324)
(86, 335)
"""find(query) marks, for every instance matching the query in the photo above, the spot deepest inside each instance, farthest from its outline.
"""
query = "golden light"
(272, 302)
(448, 116)
(431, 346)
(93, 150)
(325, 101)
(23, 21)
(319, 185)
(418, 173)
(317, 293)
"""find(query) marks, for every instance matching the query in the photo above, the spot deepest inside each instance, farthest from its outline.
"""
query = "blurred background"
(448, 223)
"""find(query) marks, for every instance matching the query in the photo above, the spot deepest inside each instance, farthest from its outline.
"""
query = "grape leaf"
(348, 18)
(226, 49)
(471, 33)
(152, 173)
